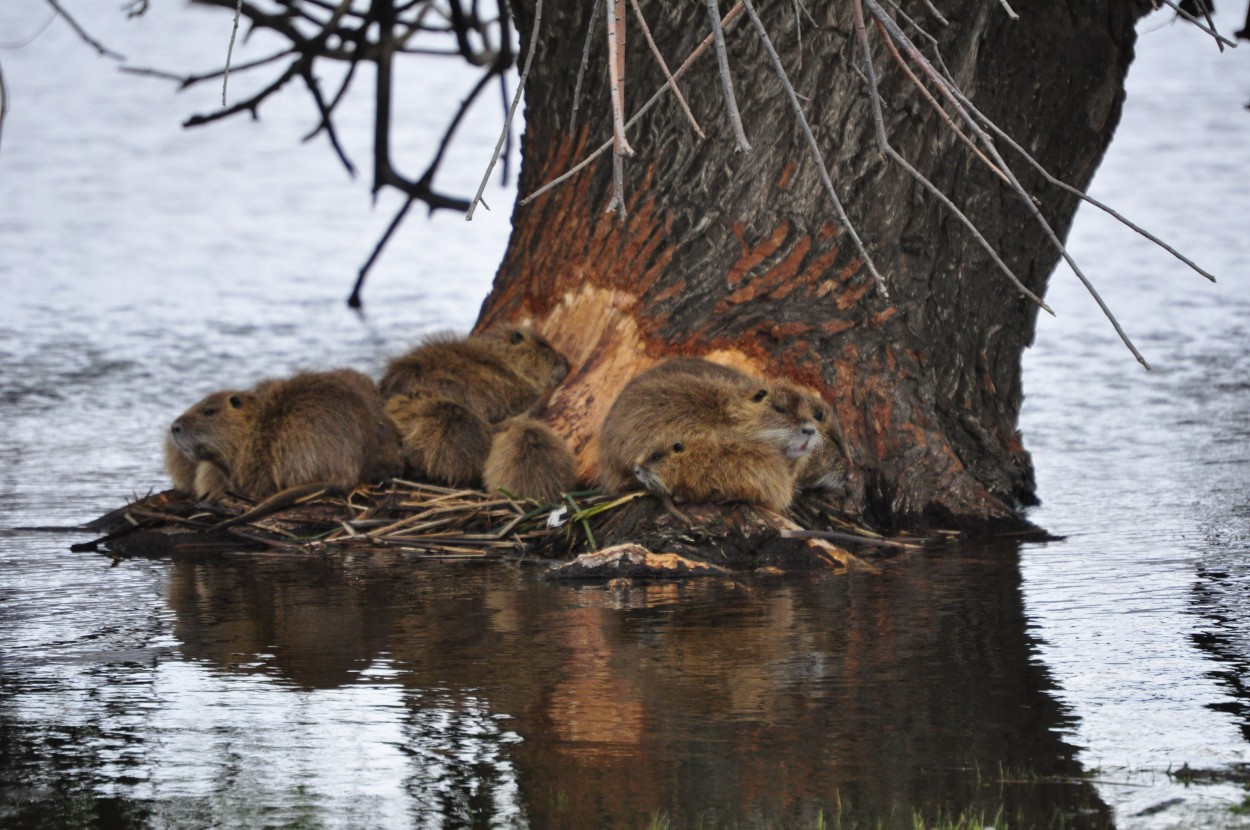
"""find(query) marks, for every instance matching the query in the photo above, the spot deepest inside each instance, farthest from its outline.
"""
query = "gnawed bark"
(737, 255)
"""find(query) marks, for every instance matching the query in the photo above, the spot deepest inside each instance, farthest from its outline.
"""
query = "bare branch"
(581, 70)
(730, 17)
(722, 60)
(82, 33)
(525, 71)
(933, 102)
(1010, 11)
(1207, 27)
(946, 86)
(4, 102)
(884, 144)
(681, 99)
(814, 147)
(234, 31)
(616, 85)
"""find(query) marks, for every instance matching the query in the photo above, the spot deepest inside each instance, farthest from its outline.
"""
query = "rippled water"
(142, 265)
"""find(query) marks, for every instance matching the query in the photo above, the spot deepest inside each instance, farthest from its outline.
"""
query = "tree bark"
(741, 256)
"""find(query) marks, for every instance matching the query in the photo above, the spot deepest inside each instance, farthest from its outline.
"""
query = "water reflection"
(515, 701)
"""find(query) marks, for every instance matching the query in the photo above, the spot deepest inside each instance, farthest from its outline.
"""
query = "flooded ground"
(1034, 685)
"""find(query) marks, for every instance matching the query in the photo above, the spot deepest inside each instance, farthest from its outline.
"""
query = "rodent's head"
(796, 418)
(649, 467)
(205, 431)
(532, 353)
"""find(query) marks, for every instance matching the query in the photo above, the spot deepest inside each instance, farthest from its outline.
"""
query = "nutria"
(804, 412)
(828, 464)
(666, 404)
(531, 460)
(700, 367)
(315, 427)
(443, 441)
(714, 469)
(498, 373)
(202, 479)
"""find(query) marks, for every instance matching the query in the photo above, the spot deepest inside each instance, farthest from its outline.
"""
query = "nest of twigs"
(592, 533)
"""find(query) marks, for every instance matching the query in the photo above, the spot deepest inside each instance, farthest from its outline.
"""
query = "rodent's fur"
(314, 427)
(530, 459)
(708, 469)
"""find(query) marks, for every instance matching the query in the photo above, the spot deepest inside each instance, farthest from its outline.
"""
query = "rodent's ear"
(679, 447)
(516, 337)
(760, 395)
(236, 401)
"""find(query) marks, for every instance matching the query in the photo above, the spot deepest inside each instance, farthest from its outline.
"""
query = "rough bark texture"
(741, 255)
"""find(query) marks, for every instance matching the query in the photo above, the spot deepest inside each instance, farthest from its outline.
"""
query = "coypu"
(669, 403)
(443, 441)
(531, 460)
(827, 466)
(712, 469)
(314, 427)
(498, 373)
(804, 411)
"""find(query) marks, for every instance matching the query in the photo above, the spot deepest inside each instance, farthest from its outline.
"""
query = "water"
(143, 265)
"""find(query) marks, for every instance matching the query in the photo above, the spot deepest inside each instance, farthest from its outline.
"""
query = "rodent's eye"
(679, 447)
(820, 415)
(236, 402)
(760, 395)
(516, 337)
(657, 455)
(779, 408)
(209, 411)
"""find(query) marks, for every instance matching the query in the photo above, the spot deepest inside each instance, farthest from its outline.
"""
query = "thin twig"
(82, 33)
(730, 17)
(668, 76)
(234, 31)
(507, 125)
(814, 147)
(581, 69)
(883, 143)
(933, 102)
(1002, 135)
(1010, 11)
(947, 87)
(722, 61)
(616, 81)
(4, 102)
(1220, 40)
(933, 11)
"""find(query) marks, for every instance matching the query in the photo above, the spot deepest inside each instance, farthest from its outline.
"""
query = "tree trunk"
(741, 255)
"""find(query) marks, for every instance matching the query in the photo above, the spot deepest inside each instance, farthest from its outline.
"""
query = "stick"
(234, 31)
(507, 125)
(616, 82)
(887, 149)
(581, 70)
(722, 60)
(728, 19)
(668, 76)
(947, 88)
(1057, 182)
(814, 147)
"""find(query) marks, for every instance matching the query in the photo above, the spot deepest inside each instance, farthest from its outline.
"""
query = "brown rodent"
(531, 460)
(498, 373)
(443, 441)
(710, 469)
(670, 403)
(827, 465)
(314, 427)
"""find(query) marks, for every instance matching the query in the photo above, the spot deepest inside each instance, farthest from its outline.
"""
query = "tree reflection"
(730, 703)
